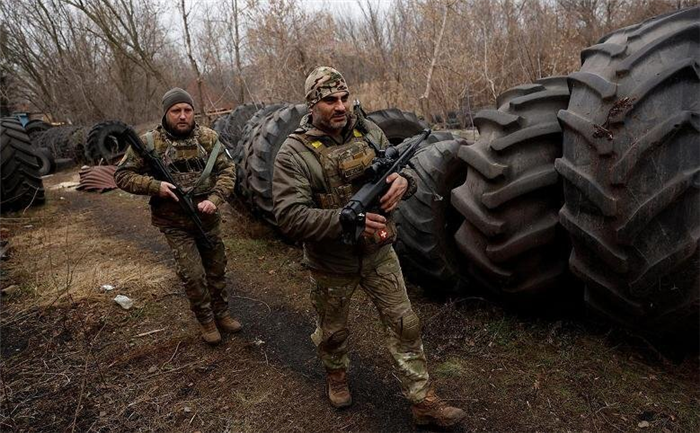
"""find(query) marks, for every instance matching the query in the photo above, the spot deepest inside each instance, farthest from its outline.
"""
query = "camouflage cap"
(321, 82)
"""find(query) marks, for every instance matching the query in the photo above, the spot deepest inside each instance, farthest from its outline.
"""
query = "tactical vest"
(343, 169)
(188, 162)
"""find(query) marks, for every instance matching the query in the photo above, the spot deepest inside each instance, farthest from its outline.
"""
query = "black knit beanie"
(175, 96)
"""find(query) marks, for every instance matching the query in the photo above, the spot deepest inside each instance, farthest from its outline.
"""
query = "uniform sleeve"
(294, 208)
(131, 175)
(225, 171)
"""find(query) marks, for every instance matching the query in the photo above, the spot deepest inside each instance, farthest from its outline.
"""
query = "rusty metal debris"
(97, 179)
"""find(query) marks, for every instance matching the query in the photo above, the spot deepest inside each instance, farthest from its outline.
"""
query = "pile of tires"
(260, 151)
(21, 185)
(230, 126)
(64, 142)
(631, 169)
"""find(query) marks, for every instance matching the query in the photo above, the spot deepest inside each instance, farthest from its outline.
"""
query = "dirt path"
(74, 361)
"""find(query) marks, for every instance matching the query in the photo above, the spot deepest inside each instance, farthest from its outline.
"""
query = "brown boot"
(434, 410)
(227, 324)
(209, 333)
(337, 388)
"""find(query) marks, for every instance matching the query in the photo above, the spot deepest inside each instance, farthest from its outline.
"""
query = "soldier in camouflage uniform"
(194, 156)
(318, 168)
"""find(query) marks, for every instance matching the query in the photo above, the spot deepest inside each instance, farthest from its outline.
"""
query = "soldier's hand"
(398, 188)
(206, 207)
(373, 223)
(166, 191)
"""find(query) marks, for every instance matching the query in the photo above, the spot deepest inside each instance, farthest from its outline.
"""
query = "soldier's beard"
(331, 125)
(179, 131)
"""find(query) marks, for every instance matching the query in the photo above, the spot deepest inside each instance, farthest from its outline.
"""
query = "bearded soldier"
(318, 168)
(194, 157)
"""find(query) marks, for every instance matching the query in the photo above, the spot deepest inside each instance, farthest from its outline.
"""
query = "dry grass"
(69, 257)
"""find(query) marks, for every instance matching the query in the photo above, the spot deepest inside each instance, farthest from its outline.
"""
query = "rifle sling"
(150, 146)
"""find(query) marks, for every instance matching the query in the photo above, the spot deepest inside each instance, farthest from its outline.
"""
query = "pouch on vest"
(353, 165)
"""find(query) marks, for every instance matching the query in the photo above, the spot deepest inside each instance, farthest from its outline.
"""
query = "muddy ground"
(72, 360)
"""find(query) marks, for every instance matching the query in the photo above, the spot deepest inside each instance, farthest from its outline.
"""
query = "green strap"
(149, 141)
(210, 164)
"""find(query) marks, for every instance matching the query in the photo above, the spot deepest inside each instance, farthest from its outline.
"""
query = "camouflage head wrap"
(323, 81)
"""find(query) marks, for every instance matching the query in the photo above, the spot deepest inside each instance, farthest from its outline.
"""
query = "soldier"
(318, 168)
(194, 156)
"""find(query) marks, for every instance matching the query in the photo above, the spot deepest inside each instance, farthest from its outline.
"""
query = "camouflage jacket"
(132, 175)
(298, 179)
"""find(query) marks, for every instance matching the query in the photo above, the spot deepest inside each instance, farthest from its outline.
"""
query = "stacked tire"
(427, 222)
(397, 125)
(102, 145)
(21, 185)
(230, 127)
(260, 153)
(511, 238)
(631, 169)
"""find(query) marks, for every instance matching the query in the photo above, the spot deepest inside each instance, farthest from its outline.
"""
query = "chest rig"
(343, 167)
(187, 160)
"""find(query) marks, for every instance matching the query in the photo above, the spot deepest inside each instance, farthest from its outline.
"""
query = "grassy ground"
(72, 360)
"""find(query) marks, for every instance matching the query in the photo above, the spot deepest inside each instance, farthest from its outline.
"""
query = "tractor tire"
(21, 184)
(631, 169)
(426, 224)
(35, 127)
(231, 128)
(511, 236)
(102, 144)
(261, 155)
(243, 150)
(397, 125)
(47, 163)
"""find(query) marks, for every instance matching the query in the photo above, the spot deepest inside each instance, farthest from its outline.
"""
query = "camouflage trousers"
(384, 285)
(202, 271)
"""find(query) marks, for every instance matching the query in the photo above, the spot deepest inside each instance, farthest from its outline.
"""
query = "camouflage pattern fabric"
(384, 285)
(202, 270)
(321, 82)
(132, 176)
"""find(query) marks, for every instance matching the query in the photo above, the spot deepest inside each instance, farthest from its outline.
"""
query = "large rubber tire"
(47, 163)
(230, 128)
(512, 194)
(102, 144)
(243, 150)
(21, 184)
(262, 152)
(397, 125)
(35, 127)
(427, 225)
(631, 167)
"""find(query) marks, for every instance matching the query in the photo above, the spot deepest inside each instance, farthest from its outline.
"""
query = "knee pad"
(336, 339)
(409, 327)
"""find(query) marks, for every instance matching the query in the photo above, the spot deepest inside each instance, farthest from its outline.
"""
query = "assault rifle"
(160, 172)
(387, 161)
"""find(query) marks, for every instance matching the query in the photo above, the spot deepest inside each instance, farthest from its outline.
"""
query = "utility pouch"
(372, 244)
(353, 165)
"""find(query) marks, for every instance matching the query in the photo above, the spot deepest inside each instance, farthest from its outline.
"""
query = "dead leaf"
(643, 424)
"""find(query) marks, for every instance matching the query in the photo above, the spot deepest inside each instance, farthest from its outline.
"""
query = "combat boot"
(228, 324)
(209, 333)
(337, 388)
(435, 411)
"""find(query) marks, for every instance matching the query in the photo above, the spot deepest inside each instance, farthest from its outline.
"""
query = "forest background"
(83, 61)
